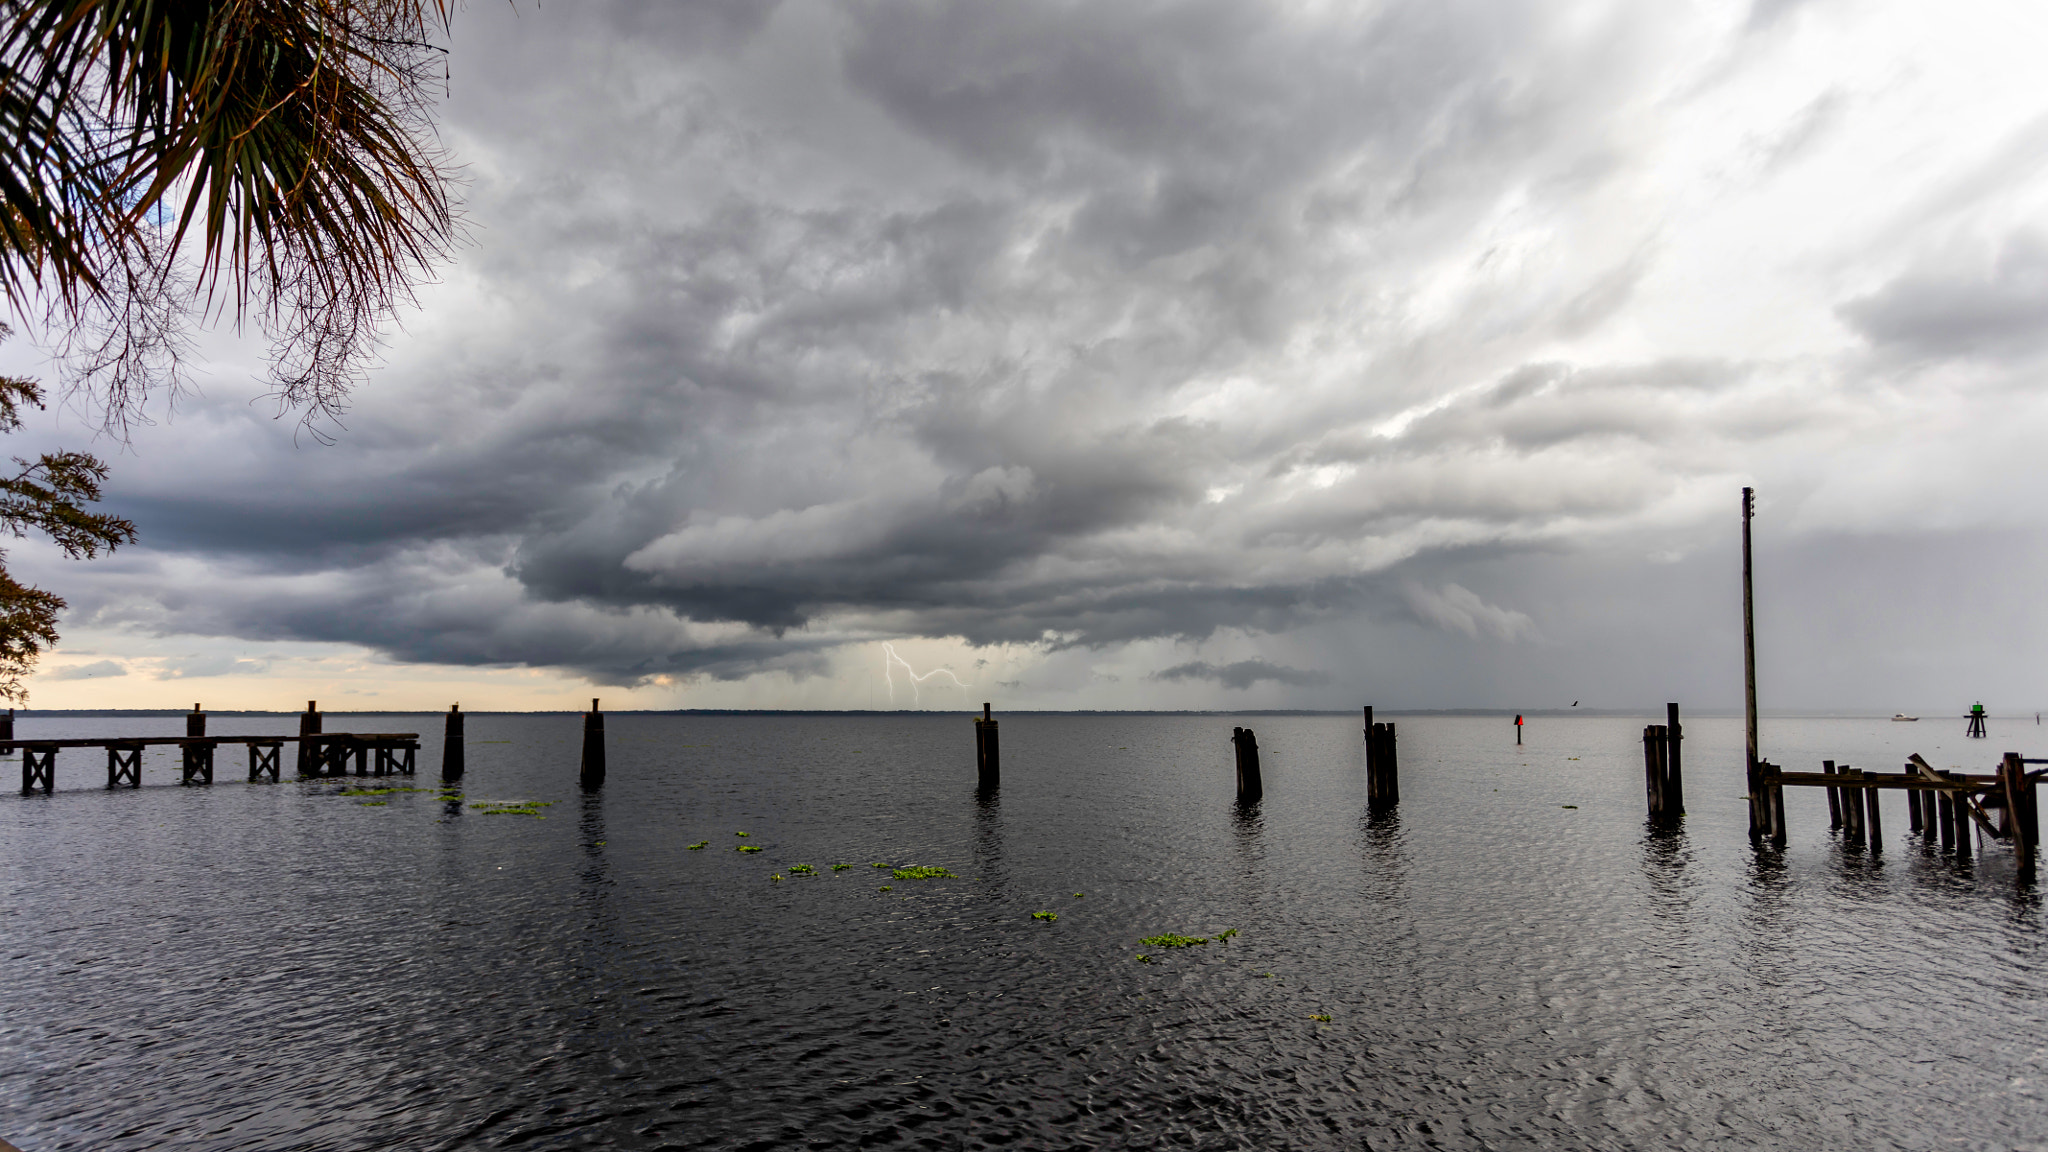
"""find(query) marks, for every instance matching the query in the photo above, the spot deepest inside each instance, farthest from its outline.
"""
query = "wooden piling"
(1372, 786)
(309, 750)
(1827, 768)
(988, 760)
(1966, 832)
(592, 776)
(1758, 808)
(1873, 832)
(452, 747)
(1913, 820)
(1674, 773)
(1945, 818)
(2012, 781)
(1852, 807)
(2026, 815)
(1654, 770)
(1383, 779)
(1249, 785)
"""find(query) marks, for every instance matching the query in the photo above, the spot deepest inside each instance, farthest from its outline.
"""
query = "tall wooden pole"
(1756, 824)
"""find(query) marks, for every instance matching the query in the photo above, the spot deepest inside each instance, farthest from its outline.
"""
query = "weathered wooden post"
(1852, 808)
(1249, 786)
(1945, 818)
(1758, 813)
(1653, 770)
(1913, 821)
(1966, 833)
(2020, 813)
(1873, 832)
(452, 748)
(1674, 772)
(593, 748)
(1372, 785)
(309, 744)
(1383, 788)
(988, 762)
(1827, 768)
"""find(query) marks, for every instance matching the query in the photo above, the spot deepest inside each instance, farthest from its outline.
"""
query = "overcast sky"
(1200, 355)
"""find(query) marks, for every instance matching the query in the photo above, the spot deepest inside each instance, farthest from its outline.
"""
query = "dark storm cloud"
(789, 326)
(1242, 674)
(1995, 311)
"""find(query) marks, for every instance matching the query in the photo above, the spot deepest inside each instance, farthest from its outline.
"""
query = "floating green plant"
(883, 888)
(1226, 934)
(841, 867)
(1171, 940)
(747, 848)
(924, 872)
(1077, 895)
(372, 803)
(1568, 805)
(777, 876)
(512, 807)
(800, 869)
(877, 864)
(600, 843)
(367, 791)
(1143, 959)
(699, 845)
(1045, 915)
(743, 834)
(1323, 1016)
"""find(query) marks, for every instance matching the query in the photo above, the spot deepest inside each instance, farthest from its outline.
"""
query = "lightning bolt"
(889, 661)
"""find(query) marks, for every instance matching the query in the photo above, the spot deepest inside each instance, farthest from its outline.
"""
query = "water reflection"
(1247, 827)
(1384, 851)
(989, 861)
(1666, 862)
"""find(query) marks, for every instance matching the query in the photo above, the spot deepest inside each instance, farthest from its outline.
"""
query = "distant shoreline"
(1380, 713)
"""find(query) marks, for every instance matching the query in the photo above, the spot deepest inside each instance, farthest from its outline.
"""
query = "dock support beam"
(263, 759)
(988, 761)
(39, 769)
(592, 776)
(198, 757)
(124, 765)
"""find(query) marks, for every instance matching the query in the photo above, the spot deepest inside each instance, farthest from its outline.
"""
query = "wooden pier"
(320, 754)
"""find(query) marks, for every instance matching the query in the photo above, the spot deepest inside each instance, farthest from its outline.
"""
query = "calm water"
(1511, 961)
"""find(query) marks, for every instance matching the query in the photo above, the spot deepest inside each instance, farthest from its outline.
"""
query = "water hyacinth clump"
(1170, 940)
(512, 807)
(841, 867)
(747, 848)
(1045, 915)
(699, 845)
(800, 869)
(924, 872)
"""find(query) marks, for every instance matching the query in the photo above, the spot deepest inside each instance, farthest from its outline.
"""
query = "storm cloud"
(1188, 336)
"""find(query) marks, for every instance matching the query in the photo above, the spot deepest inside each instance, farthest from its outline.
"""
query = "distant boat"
(1903, 716)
